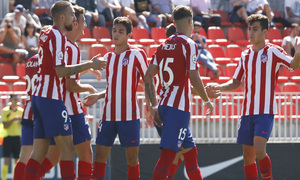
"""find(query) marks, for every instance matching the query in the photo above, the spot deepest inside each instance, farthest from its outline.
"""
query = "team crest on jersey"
(194, 59)
(60, 55)
(43, 37)
(125, 61)
(264, 58)
(66, 127)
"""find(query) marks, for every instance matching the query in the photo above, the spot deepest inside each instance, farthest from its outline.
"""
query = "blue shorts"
(158, 129)
(175, 131)
(51, 118)
(128, 132)
(254, 125)
(81, 129)
(27, 133)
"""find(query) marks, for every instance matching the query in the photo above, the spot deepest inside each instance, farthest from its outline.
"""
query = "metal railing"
(220, 127)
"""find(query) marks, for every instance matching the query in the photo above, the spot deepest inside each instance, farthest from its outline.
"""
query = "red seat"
(152, 50)
(10, 78)
(158, 33)
(102, 35)
(209, 73)
(4, 87)
(202, 32)
(224, 17)
(86, 38)
(233, 51)
(217, 35)
(19, 86)
(277, 14)
(287, 109)
(39, 11)
(141, 47)
(274, 36)
(87, 33)
(290, 87)
(277, 88)
(96, 49)
(230, 69)
(140, 88)
(139, 33)
(20, 70)
(218, 54)
(236, 35)
(286, 31)
(5, 69)
(288, 73)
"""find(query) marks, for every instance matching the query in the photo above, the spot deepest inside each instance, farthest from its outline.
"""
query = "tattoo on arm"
(151, 92)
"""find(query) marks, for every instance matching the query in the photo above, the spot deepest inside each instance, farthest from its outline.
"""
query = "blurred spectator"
(292, 11)
(112, 9)
(46, 18)
(143, 9)
(163, 7)
(238, 11)
(11, 117)
(170, 30)
(30, 39)
(10, 37)
(203, 13)
(204, 55)
(128, 10)
(28, 11)
(259, 7)
(181, 2)
(288, 42)
(17, 16)
(91, 12)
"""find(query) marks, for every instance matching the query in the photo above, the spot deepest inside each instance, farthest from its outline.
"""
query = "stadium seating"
(158, 33)
(87, 37)
(19, 86)
(218, 54)
(139, 33)
(236, 35)
(290, 87)
(288, 73)
(39, 11)
(4, 87)
(5, 69)
(152, 50)
(20, 70)
(274, 36)
(224, 18)
(229, 108)
(277, 14)
(287, 109)
(96, 49)
(233, 51)
(102, 35)
(217, 35)
(230, 69)
(286, 31)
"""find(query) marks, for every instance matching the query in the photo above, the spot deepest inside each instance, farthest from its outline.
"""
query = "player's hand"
(209, 105)
(149, 119)
(212, 92)
(92, 90)
(90, 99)
(96, 73)
(297, 45)
(97, 63)
(156, 118)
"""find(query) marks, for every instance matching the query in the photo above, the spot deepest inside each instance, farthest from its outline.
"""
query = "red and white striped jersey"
(32, 67)
(52, 52)
(123, 72)
(175, 57)
(260, 71)
(71, 99)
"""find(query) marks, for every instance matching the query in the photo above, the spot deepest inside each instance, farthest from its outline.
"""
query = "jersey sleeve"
(58, 48)
(71, 59)
(239, 71)
(282, 58)
(4, 115)
(191, 53)
(142, 64)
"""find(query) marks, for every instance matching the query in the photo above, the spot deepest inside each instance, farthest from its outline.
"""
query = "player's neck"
(121, 48)
(71, 36)
(258, 46)
(61, 28)
(14, 107)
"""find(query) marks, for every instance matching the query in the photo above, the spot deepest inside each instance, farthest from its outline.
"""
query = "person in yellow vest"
(11, 117)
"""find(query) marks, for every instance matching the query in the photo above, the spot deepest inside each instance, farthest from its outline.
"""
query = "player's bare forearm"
(228, 86)
(73, 86)
(150, 92)
(198, 85)
(296, 61)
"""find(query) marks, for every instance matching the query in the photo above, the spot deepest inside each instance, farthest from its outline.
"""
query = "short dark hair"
(170, 30)
(13, 96)
(78, 11)
(59, 8)
(181, 12)
(125, 21)
(264, 21)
